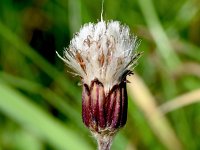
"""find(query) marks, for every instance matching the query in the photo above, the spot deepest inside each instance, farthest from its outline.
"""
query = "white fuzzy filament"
(103, 51)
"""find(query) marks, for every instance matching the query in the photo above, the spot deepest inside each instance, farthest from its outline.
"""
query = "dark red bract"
(104, 113)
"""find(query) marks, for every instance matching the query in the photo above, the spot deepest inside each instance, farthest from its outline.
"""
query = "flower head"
(103, 51)
(103, 54)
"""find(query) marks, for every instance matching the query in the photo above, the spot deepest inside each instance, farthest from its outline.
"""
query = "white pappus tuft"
(103, 51)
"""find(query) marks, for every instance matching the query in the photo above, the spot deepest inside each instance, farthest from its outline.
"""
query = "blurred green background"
(40, 102)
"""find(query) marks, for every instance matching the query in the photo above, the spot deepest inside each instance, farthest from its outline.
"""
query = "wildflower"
(103, 54)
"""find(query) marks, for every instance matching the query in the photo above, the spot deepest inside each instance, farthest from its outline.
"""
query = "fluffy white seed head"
(103, 51)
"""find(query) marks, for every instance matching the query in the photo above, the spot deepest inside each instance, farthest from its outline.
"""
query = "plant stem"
(104, 143)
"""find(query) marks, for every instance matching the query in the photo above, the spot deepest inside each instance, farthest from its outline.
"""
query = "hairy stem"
(104, 143)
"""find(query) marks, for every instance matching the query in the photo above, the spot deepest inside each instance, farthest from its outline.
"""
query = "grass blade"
(33, 118)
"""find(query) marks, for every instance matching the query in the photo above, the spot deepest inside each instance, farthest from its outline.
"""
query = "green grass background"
(40, 102)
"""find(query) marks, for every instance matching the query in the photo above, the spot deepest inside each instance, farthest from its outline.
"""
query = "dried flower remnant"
(103, 54)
